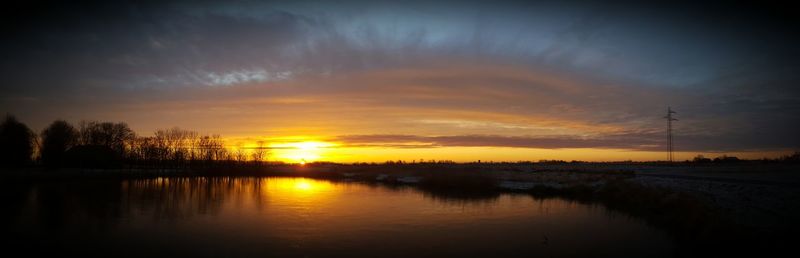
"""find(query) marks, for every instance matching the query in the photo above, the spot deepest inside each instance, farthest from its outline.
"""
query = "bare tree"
(211, 148)
(112, 135)
(177, 143)
(259, 153)
(240, 155)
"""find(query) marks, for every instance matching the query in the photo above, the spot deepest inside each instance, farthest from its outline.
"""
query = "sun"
(310, 145)
(302, 152)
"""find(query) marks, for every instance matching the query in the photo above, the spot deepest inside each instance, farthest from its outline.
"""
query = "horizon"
(377, 81)
(308, 149)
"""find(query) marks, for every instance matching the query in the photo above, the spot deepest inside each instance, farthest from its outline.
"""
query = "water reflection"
(229, 216)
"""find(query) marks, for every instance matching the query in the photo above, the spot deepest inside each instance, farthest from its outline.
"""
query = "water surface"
(213, 217)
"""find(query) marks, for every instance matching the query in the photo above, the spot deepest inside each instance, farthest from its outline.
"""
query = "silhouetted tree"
(176, 143)
(111, 135)
(143, 152)
(240, 155)
(210, 148)
(57, 138)
(726, 159)
(102, 145)
(259, 153)
(16, 143)
(701, 159)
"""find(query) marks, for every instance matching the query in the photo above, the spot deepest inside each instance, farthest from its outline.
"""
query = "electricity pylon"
(670, 147)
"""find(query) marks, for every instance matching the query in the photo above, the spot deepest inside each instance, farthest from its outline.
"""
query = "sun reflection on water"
(300, 190)
(305, 186)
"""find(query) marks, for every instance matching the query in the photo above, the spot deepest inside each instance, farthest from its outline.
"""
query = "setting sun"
(302, 151)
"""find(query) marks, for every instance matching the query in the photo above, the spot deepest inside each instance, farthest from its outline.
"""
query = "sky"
(350, 81)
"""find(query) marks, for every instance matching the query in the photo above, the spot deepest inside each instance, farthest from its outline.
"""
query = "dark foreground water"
(291, 217)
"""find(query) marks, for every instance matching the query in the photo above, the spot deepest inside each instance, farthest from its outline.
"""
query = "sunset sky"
(353, 81)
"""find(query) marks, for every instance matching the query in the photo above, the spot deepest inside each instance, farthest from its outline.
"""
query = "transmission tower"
(670, 147)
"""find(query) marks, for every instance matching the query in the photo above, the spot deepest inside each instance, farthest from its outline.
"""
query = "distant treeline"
(724, 159)
(96, 144)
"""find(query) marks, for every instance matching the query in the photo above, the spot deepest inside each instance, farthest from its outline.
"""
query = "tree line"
(94, 144)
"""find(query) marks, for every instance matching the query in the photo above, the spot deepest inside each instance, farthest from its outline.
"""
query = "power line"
(670, 146)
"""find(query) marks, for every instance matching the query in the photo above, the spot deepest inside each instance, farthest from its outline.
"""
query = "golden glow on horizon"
(305, 149)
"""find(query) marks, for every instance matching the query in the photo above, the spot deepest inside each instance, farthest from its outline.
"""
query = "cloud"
(544, 75)
(632, 142)
(629, 142)
(453, 105)
(179, 44)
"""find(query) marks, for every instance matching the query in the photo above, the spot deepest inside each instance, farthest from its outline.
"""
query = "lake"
(300, 217)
